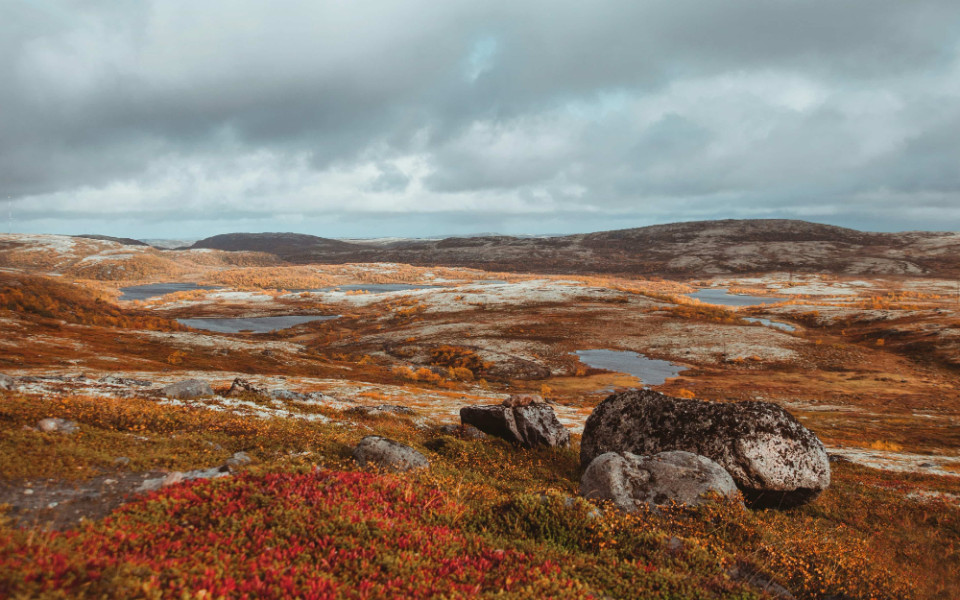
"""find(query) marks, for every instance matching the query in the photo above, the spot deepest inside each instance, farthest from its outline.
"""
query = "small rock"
(54, 425)
(391, 409)
(53, 504)
(523, 400)
(629, 480)
(28, 492)
(388, 454)
(6, 382)
(238, 460)
(191, 388)
(121, 460)
(210, 473)
(674, 546)
(296, 396)
(113, 380)
(109, 482)
(240, 386)
(467, 432)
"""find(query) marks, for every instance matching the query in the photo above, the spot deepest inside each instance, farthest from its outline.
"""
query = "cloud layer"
(371, 117)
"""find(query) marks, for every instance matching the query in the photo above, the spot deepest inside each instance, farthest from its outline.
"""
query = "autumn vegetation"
(489, 519)
(45, 298)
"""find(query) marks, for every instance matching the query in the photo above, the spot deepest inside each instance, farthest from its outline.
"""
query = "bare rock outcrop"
(774, 460)
(190, 388)
(629, 480)
(388, 454)
(526, 422)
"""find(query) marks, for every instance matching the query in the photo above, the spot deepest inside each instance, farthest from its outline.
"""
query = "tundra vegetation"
(871, 369)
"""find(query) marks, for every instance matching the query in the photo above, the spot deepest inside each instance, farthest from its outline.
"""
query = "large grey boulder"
(775, 461)
(191, 388)
(629, 480)
(388, 454)
(527, 423)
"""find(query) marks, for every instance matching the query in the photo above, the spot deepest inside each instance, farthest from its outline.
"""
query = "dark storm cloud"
(530, 115)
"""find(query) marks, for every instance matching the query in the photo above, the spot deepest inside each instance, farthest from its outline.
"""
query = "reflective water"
(153, 290)
(371, 288)
(650, 370)
(724, 298)
(769, 323)
(252, 325)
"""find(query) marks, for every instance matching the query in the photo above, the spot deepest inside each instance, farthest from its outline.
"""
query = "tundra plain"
(870, 364)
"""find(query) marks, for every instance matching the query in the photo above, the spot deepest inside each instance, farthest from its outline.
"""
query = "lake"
(153, 290)
(253, 324)
(769, 323)
(724, 298)
(650, 370)
(371, 288)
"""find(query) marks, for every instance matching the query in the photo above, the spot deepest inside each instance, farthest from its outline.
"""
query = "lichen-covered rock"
(388, 454)
(629, 480)
(467, 432)
(6, 382)
(529, 425)
(307, 397)
(522, 400)
(238, 459)
(382, 409)
(775, 461)
(241, 386)
(191, 388)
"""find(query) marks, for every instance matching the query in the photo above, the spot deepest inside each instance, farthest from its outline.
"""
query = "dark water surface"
(650, 370)
(153, 290)
(254, 324)
(769, 323)
(724, 298)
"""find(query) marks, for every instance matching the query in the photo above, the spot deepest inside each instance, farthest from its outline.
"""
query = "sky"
(366, 118)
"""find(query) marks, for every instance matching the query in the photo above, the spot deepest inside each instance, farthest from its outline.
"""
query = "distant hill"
(678, 249)
(108, 238)
(284, 245)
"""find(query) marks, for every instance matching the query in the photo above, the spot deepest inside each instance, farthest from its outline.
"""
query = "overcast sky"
(173, 118)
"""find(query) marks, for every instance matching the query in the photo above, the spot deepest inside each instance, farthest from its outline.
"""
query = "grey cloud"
(651, 110)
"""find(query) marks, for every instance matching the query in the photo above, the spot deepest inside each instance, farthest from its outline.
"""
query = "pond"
(650, 370)
(371, 288)
(253, 324)
(153, 290)
(769, 323)
(723, 297)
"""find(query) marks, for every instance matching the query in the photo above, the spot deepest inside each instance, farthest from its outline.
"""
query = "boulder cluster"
(774, 460)
(641, 447)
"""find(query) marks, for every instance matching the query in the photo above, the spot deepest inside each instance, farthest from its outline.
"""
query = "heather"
(489, 519)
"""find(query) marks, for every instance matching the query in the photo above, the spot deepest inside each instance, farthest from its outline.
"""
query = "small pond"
(371, 288)
(769, 323)
(252, 325)
(153, 290)
(650, 370)
(724, 298)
